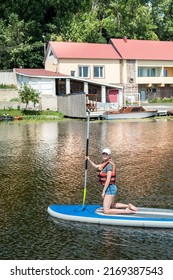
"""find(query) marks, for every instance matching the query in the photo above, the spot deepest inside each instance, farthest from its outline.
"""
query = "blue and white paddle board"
(145, 217)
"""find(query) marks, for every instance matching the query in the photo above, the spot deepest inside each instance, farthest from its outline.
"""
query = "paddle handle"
(87, 141)
(86, 160)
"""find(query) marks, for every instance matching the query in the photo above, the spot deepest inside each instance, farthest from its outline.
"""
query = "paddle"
(86, 160)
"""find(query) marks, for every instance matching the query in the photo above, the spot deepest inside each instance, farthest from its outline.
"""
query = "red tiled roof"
(144, 49)
(38, 72)
(83, 50)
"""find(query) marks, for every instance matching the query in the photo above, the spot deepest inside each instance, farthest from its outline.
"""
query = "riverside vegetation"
(28, 95)
(32, 115)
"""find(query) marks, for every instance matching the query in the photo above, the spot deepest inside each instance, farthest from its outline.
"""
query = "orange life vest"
(103, 176)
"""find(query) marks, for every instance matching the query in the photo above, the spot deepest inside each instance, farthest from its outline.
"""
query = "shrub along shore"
(29, 115)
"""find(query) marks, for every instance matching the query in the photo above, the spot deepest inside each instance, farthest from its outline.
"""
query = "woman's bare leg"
(122, 205)
(107, 203)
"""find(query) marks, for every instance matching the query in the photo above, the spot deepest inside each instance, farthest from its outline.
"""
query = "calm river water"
(43, 163)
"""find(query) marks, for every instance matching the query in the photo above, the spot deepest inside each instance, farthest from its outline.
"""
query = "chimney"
(125, 39)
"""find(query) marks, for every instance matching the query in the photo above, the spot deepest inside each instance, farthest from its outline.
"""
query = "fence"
(72, 105)
(8, 77)
(8, 99)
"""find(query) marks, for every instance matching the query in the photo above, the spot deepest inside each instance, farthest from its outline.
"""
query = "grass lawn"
(31, 114)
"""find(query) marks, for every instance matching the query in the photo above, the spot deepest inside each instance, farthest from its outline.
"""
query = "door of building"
(113, 95)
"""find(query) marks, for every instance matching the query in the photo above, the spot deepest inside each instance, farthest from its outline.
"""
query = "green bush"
(161, 100)
(28, 94)
(3, 86)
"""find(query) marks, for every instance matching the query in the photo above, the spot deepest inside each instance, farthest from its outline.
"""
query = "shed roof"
(38, 72)
(143, 49)
(83, 50)
(44, 73)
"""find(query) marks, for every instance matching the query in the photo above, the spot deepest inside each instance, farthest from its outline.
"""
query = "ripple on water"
(44, 163)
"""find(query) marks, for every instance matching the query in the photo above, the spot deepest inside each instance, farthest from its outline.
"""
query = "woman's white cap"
(107, 151)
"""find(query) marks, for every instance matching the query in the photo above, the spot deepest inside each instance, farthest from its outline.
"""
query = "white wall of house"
(150, 63)
(123, 72)
(45, 86)
(51, 62)
(111, 72)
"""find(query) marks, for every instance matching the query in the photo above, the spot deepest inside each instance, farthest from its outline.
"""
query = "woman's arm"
(92, 163)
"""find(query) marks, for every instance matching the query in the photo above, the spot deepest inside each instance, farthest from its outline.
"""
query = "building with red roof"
(143, 49)
(73, 50)
(142, 68)
(53, 86)
(99, 62)
(147, 67)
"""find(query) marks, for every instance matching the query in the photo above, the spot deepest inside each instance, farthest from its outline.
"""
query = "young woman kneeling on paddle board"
(107, 177)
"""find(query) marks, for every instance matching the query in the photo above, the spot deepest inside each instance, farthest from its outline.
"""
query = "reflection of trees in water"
(43, 163)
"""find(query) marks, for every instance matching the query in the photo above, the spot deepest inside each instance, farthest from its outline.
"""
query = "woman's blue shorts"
(111, 190)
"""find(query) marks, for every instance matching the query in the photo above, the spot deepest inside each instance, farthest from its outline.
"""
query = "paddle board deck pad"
(145, 217)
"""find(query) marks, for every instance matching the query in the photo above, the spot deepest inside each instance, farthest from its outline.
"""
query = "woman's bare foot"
(129, 211)
(132, 207)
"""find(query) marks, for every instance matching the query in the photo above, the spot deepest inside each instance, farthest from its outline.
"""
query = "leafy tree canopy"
(27, 25)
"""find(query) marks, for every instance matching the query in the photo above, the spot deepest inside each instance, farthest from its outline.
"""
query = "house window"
(98, 72)
(151, 72)
(83, 71)
(51, 53)
(140, 72)
(165, 72)
(72, 73)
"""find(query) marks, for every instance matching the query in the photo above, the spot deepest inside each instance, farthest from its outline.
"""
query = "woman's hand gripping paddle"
(86, 160)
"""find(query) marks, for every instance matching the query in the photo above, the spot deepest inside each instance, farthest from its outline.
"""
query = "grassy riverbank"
(29, 115)
(32, 116)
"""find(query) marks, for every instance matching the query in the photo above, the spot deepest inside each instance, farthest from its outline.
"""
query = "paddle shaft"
(86, 160)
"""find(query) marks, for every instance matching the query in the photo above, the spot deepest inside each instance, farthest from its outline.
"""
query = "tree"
(28, 94)
(107, 19)
(26, 28)
(162, 14)
(17, 48)
(136, 21)
(85, 28)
